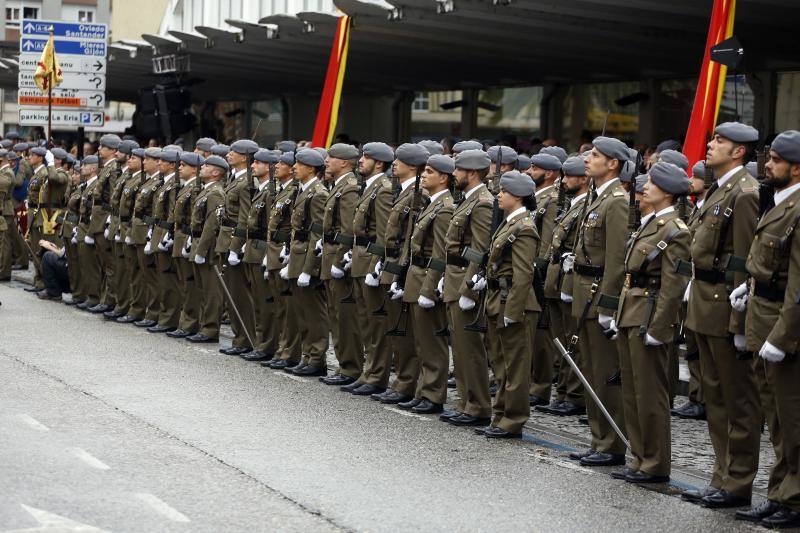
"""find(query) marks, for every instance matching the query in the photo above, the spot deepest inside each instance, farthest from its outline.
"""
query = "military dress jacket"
(369, 225)
(6, 185)
(306, 230)
(509, 272)
(85, 210)
(143, 218)
(237, 198)
(163, 206)
(398, 231)
(258, 223)
(600, 254)
(116, 198)
(182, 215)
(653, 290)
(206, 213)
(126, 203)
(565, 231)
(35, 200)
(733, 210)
(71, 213)
(470, 226)
(340, 208)
(428, 249)
(545, 217)
(773, 313)
(7, 206)
(279, 225)
(101, 205)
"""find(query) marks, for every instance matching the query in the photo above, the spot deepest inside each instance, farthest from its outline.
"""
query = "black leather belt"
(197, 233)
(259, 244)
(43, 205)
(164, 224)
(342, 238)
(73, 217)
(709, 276)
(228, 223)
(125, 218)
(255, 234)
(419, 261)
(361, 241)
(497, 284)
(105, 207)
(456, 260)
(185, 228)
(642, 281)
(148, 220)
(588, 270)
(769, 292)
(281, 236)
(329, 238)
(300, 235)
(240, 232)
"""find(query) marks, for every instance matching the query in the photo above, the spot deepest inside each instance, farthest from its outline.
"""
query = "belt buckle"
(628, 280)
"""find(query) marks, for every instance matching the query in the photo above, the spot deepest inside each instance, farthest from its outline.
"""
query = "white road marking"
(162, 507)
(570, 465)
(89, 459)
(53, 522)
(406, 413)
(290, 376)
(32, 422)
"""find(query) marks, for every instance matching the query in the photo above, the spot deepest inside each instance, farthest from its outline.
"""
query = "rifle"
(561, 201)
(766, 192)
(634, 215)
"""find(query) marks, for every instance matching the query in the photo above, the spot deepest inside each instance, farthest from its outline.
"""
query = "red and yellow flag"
(328, 111)
(710, 85)
(48, 72)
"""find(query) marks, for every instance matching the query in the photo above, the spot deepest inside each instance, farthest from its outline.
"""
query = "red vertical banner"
(328, 111)
(710, 85)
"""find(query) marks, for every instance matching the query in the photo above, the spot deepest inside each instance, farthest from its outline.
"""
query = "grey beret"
(205, 144)
(462, 146)
(669, 178)
(13, 155)
(412, 154)
(752, 168)
(39, 151)
(669, 144)
(59, 153)
(473, 160)
(217, 161)
(90, 160)
(442, 163)
(3, 153)
(287, 158)
(523, 162)
(640, 181)
(110, 140)
(674, 157)
(699, 170)
(20, 147)
(787, 145)
(737, 132)
(546, 161)
(220, 150)
(13, 134)
(286, 146)
(509, 154)
(192, 159)
(557, 151)
(70, 159)
(171, 156)
(628, 172)
(344, 151)
(126, 146)
(517, 183)
(574, 166)
(266, 156)
(310, 157)
(244, 146)
(6, 143)
(138, 152)
(153, 152)
(613, 148)
(173, 147)
(379, 151)
(433, 147)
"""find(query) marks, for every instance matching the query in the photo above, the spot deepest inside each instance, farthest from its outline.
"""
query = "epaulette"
(750, 189)
(352, 181)
(386, 183)
(618, 192)
(681, 224)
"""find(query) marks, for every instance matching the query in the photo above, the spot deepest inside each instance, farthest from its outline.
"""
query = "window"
(85, 15)
(30, 12)
(12, 15)
(421, 102)
(787, 103)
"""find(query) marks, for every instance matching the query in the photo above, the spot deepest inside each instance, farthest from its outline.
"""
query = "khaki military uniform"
(307, 214)
(182, 231)
(470, 226)
(6, 220)
(599, 270)
(19, 252)
(122, 269)
(279, 235)
(163, 207)
(138, 293)
(342, 312)
(101, 211)
(35, 217)
(427, 265)
(510, 298)
(649, 304)
(141, 230)
(695, 388)
(89, 261)
(773, 315)
(206, 214)
(729, 382)
(68, 229)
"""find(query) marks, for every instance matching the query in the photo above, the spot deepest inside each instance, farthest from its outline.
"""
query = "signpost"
(79, 101)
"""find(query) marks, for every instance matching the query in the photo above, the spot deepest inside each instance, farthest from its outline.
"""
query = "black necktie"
(714, 187)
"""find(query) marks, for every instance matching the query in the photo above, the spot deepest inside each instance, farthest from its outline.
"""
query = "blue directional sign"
(79, 48)
(76, 30)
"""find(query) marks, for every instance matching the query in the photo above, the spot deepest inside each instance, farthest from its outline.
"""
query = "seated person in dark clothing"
(55, 273)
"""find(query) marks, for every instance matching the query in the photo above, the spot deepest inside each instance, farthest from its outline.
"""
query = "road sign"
(62, 117)
(63, 98)
(78, 48)
(71, 30)
(67, 63)
(72, 80)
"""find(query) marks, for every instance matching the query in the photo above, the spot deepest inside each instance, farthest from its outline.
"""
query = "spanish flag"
(710, 85)
(328, 111)
(48, 72)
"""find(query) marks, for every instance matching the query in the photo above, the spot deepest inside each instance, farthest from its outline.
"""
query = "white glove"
(605, 321)
(117, 238)
(378, 270)
(128, 240)
(187, 248)
(318, 248)
(396, 291)
(89, 240)
(244, 247)
(479, 283)
(74, 240)
(303, 280)
(199, 259)
(466, 303)
(649, 340)
(566, 298)
(105, 232)
(611, 331)
(687, 292)
(336, 272)
(425, 303)
(567, 262)
(740, 342)
(50, 159)
(285, 272)
(233, 258)
(347, 261)
(266, 274)
(284, 256)
(739, 297)
(507, 321)
(166, 243)
(771, 353)
(264, 263)
(149, 234)
(147, 250)
(371, 280)
(440, 286)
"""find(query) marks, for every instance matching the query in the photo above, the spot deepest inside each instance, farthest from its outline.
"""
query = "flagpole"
(50, 92)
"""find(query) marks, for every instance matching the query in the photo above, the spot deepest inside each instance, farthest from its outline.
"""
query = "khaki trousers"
(122, 275)
(344, 322)
(783, 378)
(377, 347)
(76, 281)
(311, 306)
(290, 345)
(562, 324)
(766, 391)
(264, 333)
(432, 352)
(108, 268)
(138, 304)
(544, 354)
(236, 281)
(170, 296)
(90, 273)
(210, 298)
(190, 296)
(469, 363)
(147, 265)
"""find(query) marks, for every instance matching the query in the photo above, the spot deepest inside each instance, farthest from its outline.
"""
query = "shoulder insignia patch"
(749, 189)
(618, 193)
(681, 224)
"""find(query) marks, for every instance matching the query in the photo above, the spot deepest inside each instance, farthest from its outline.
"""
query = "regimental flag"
(48, 72)
(328, 111)
(710, 85)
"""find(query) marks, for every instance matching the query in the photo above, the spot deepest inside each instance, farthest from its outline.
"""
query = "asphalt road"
(107, 427)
